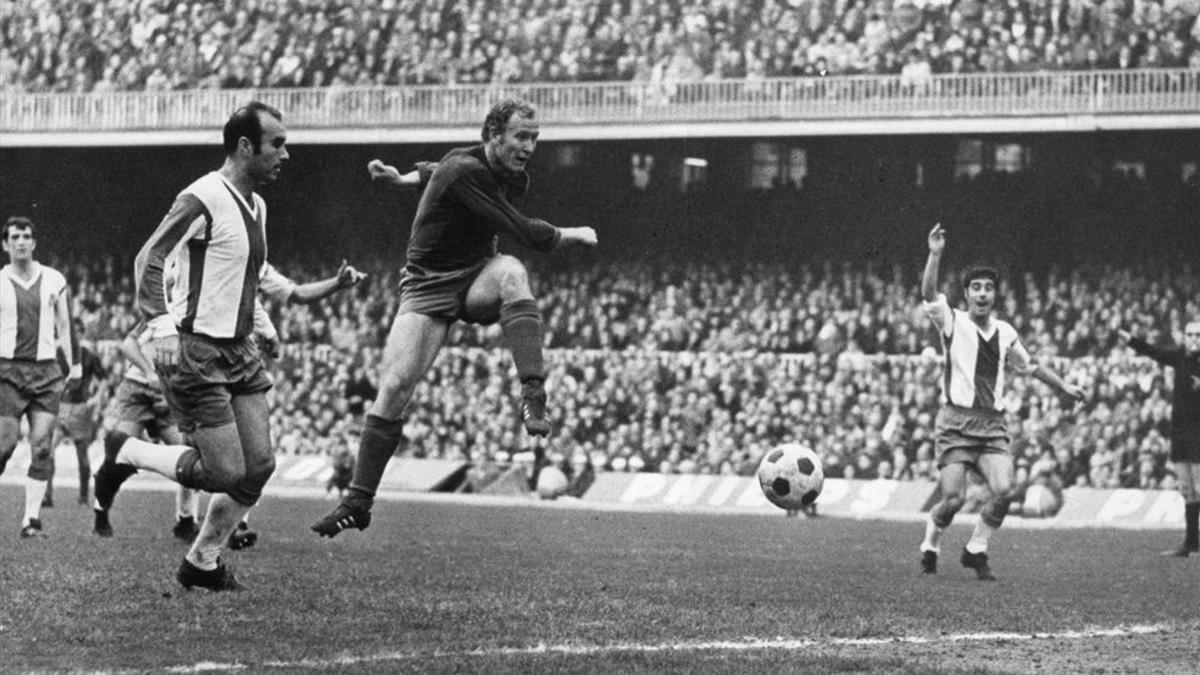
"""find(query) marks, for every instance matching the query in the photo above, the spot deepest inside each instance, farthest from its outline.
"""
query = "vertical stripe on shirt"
(987, 370)
(254, 262)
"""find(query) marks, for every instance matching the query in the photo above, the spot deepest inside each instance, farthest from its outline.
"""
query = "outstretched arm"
(1020, 360)
(1165, 357)
(276, 286)
(390, 175)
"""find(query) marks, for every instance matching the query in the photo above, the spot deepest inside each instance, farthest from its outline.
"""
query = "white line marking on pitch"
(746, 644)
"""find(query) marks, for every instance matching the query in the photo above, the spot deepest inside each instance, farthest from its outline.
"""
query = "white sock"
(35, 491)
(187, 503)
(979, 538)
(933, 535)
(223, 516)
(160, 459)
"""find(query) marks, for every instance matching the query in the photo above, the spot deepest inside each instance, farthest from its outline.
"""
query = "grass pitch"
(461, 584)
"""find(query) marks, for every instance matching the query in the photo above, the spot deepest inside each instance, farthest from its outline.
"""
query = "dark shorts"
(209, 374)
(78, 421)
(441, 294)
(143, 405)
(27, 386)
(962, 435)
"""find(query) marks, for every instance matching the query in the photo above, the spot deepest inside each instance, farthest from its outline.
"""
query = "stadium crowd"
(160, 45)
(701, 367)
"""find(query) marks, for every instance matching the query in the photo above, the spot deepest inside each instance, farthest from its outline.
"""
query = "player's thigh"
(252, 413)
(503, 279)
(10, 434)
(41, 428)
(220, 449)
(997, 471)
(952, 479)
(412, 344)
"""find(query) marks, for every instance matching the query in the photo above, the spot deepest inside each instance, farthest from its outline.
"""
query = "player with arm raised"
(1185, 425)
(970, 434)
(35, 325)
(454, 272)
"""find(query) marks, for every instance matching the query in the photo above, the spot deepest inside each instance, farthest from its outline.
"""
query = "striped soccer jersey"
(974, 372)
(216, 245)
(28, 330)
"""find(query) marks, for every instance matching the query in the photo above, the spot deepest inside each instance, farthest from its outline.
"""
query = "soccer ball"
(791, 476)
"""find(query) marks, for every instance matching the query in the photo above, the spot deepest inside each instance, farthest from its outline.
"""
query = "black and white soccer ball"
(791, 476)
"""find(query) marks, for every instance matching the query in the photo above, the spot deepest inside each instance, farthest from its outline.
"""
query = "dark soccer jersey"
(1185, 412)
(464, 207)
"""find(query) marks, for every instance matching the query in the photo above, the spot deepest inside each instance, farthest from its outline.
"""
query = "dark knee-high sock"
(379, 440)
(85, 469)
(1191, 519)
(521, 323)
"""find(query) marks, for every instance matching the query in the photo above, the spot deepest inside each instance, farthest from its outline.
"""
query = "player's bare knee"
(514, 279)
(1004, 491)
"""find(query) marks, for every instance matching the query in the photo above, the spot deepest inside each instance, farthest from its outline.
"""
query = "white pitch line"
(745, 644)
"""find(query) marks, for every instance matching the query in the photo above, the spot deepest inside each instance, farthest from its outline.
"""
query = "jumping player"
(1185, 425)
(970, 430)
(454, 272)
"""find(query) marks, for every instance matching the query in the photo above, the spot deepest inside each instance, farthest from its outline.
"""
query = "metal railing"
(853, 97)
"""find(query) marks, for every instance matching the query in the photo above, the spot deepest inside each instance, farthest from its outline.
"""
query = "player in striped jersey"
(35, 324)
(143, 408)
(203, 345)
(970, 433)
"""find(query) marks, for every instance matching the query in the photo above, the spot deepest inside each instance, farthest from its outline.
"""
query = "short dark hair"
(500, 114)
(981, 272)
(245, 122)
(18, 223)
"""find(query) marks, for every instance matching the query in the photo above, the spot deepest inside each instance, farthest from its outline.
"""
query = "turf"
(454, 586)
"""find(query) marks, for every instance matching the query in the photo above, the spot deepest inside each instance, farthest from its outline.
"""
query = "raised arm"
(929, 280)
(936, 307)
